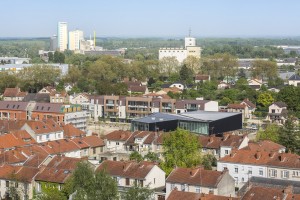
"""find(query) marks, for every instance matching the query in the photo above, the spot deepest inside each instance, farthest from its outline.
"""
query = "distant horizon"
(170, 37)
(148, 19)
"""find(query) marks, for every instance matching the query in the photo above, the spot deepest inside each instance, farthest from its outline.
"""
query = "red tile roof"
(236, 106)
(179, 195)
(210, 142)
(70, 131)
(58, 170)
(254, 157)
(200, 77)
(59, 146)
(256, 193)
(249, 103)
(44, 127)
(264, 145)
(196, 176)
(93, 141)
(128, 169)
(118, 135)
(20, 173)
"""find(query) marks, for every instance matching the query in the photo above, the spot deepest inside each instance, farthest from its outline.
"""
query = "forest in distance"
(239, 47)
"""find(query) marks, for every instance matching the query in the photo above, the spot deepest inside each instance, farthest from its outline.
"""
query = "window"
(172, 186)
(94, 150)
(261, 172)
(285, 174)
(117, 143)
(154, 181)
(127, 181)
(236, 169)
(141, 183)
(272, 173)
(211, 190)
(226, 152)
(243, 180)
(197, 189)
(7, 184)
(250, 170)
(16, 184)
(183, 187)
(47, 136)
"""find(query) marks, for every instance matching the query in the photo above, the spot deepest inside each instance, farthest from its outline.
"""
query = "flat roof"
(208, 115)
(200, 116)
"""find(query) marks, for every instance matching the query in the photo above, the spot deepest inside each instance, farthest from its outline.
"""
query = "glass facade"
(194, 127)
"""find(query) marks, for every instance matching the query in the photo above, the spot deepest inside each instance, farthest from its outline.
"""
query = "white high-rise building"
(62, 36)
(74, 39)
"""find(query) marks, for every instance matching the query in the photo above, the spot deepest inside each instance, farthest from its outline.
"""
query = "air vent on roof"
(36, 127)
(42, 107)
(44, 126)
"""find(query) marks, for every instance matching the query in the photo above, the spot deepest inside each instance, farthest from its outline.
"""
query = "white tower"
(62, 36)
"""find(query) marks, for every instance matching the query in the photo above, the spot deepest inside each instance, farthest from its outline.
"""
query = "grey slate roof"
(13, 105)
(48, 107)
(294, 77)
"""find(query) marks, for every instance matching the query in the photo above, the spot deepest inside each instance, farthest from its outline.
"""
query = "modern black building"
(200, 122)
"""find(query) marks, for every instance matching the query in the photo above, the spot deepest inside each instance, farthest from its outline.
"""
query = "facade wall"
(62, 36)
(226, 186)
(189, 188)
(211, 106)
(284, 173)
(13, 115)
(179, 53)
(242, 172)
(155, 178)
(294, 83)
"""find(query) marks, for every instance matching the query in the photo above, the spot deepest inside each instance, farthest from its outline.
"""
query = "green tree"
(135, 156)
(58, 57)
(264, 69)
(290, 136)
(7, 81)
(291, 96)
(186, 74)
(137, 192)
(209, 161)
(181, 148)
(265, 99)
(38, 76)
(51, 193)
(92, 185)
(168, 65)
(151, 156)
(193, 63)
(50, 57)
(271, 132)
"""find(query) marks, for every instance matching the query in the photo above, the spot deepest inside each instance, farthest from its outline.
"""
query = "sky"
(152, 18)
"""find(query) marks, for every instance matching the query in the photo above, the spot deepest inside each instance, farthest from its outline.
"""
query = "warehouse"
(200, 122)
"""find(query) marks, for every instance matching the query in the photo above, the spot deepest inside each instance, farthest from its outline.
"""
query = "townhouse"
(13, 94)
(129, 173)
(115, 141)
(199, 180)
(179, 195)
(42, 131)
(222, 146)
(55, 173)
(19, 177)
(245, 163)
(277, 113)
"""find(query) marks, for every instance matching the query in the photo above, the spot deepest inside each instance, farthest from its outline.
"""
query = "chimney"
(288, 190)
